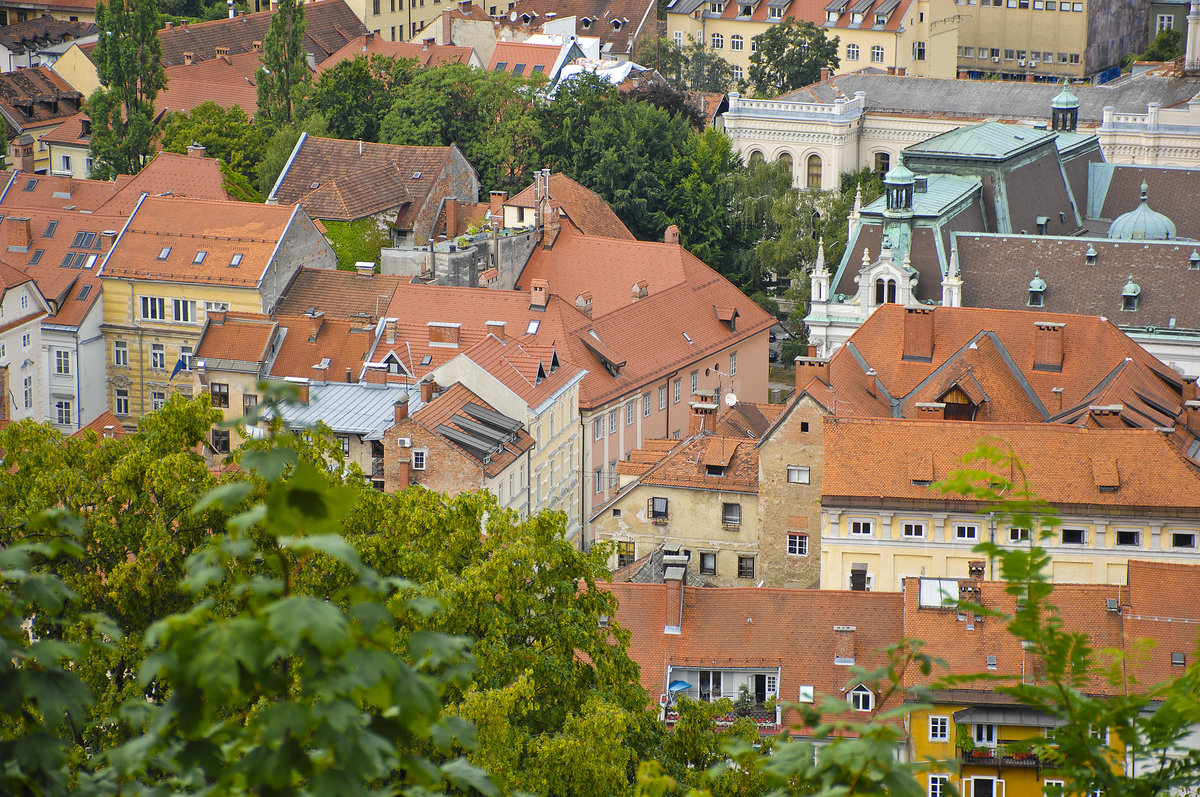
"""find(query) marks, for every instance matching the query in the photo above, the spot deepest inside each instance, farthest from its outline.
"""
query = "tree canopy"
(224, 133)
(791, 55)
(284, 77)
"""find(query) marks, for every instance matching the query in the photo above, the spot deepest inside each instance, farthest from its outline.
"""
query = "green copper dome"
(1142, 223)
(1065, 98)
(899, 174)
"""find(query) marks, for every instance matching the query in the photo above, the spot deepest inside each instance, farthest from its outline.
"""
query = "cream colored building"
(78, 70)
(911, 37)
(1119, 494)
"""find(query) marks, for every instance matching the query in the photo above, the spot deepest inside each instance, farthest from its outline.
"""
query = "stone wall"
(303, 246)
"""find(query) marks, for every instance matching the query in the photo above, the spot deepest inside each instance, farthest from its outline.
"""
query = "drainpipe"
(78, 389)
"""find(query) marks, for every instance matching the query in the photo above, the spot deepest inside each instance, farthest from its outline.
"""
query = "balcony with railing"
(765, 716)
(1001, 756)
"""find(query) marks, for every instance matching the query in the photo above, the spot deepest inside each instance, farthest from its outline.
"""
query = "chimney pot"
(583, 303)
(671, 236)
(20, 233)
(918, 334)
(1047, 346)
(401, 408)
(496, 328)
(539, 293)
(216, 317)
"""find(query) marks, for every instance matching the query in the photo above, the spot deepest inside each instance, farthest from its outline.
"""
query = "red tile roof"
(106, 426)
(168, 173)
(70, 131)
(226, 80)
(583, 207)
(242, 337)
(370, 44)
(688, 467)
(329, 24)
(346, 180)
(28, 191)
(532, 58)
(340, 294)
(41, 32)
(69, 259)
(868, 459)
(341, 345)
(530, 371)
(636, 17)
(736, 627)
(188, 227)
(36, 98)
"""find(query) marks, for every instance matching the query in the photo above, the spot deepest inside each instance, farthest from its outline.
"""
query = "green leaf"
(301, 618)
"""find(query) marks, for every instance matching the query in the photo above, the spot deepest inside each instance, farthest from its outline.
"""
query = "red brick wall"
(448, 469)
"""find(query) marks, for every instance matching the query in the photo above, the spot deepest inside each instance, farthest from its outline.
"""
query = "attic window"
(1090, 255)
(416, 175)
(315, 186)
(37, 256)
(1178, 659)
(199, 258)
(83, 292)
(91, 261)
(164, 253)
(50, 228)
(538, 69)
(715, 470)
(427, 359)
(501, 66)
(616, 23)
(687, 337)
(29, 186)
(236, 260)
(1194, 260)
(991, 663)
(533, 327)
(518, 69)
(83, 240)
(586, 22)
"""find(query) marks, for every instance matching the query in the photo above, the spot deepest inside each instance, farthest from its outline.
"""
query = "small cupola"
(1064, 110)
(899, 184)
(1194, 260)
(1037, 287)
(1142, 223)
(1090, 254)
(1130, 294)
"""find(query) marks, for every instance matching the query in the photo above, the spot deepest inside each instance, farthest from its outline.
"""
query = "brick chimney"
(673, 605)
(443, 334)
(389, 330)
(824, 74)
(1191, 407)
(641, 289)
(843, 646)
(428, 42)
(196, 150)
(256, 46)
(539, 294)
(429, 389)
(20, 233)
(1047, 346)
(703, 413)
(188, 58)
(451, 217)
(810, 368)
(316, 320)
(222, 51)
(400, 408)
(302, 388)
(320, 371)
(671, 236)
(447, 27)
(918, 334)
(583, 303)
(496, 202)
(65, 184)
(216, 317)
(496, 328)
(931, 410)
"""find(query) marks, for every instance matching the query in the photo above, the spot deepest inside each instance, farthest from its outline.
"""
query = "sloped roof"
(35, 98)
(997, 349)
(221, 230)
(339, 294)
(1116, 189)
(346, 180)
(451, 408)
(363, 409)
(227, 80)
(369, 44)
(41, 32)
(632, 15)
(990, 140)
(585, 209)
(329, 24)
(687, 467)
(69, 132)
(340, 345)
(168, 173)
(533, 372)
(747, 420)
(37, 191)
(993, 278)
(1161, 607)
(745, 627)
(868, 458)
(68, 259)
(106, 425)
(532, 58)
(239, 337)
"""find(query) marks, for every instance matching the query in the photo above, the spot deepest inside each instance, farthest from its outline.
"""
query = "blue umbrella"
(679, 686)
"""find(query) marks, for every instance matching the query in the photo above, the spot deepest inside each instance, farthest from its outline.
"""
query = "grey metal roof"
(943, 191)
(684, 6)
(362, 409)
(993, 99)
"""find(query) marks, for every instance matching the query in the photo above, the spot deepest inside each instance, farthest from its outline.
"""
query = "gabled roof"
(458, 415)
(584, 208)
(689, 466)
(227, 80)
(998, 350)
(234, 241)
(988, 140)
(363, 409)
(340, 346)
(346, 180)
(631, 15)
(237, 337)
(35, 98)
(26, 191)
(106, 426)
(530, 58)
(870, 459)
(746, 627)
(39, 33)
(168, 174)
(329, 24)
(64, 257)
(69, 132)
(747, 420)
(531, 371)
(342, 295)
(426, 55)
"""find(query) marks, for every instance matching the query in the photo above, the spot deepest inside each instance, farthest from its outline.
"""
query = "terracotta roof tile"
(342, 295)
(227, 81)
(531, 371)
(242, 337)
(633, 15)
(370, 44)
(36, 98)
(584, 208)
(27, 191)
(866, 459)
(343, 344)
(329, 24)
(169, 173)
(532, 58)
(38, 33)
(189, 227)
(689, 467)
(106, 425)
(747, 420)
(70, 131)
(68, 259)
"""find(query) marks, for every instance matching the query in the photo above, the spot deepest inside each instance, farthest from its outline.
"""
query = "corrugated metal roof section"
(985, 140)
(366, 410)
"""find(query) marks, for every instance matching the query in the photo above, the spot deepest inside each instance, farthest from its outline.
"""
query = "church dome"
(1065, 98)
(1142, 223)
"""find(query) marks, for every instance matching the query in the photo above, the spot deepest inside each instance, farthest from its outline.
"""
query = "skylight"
(37, 256)
(91, 261)
(199, 258)
(164, 253)
(427, 359)
(29, 186)
(533, 327)
(236, 260)
(50, 228)
(84, 291)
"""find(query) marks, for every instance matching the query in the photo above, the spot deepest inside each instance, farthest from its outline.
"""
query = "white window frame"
(695, 381)
(1019, 534)
(157, 399)
(731, 513)
(959, 528)
(678, 389)
(598, 428)
(158, 356)
(913, 531)
(1164, 22)
(862, 528)
(63, 411)
(612, 421)
(877, 54)
(420, 458)
(939, 728)
(798, 474)
(662, 397)
(801, 546)
(647, 407)
(184, 311)
(939, 785)
(62, 362)
(630, 412)
(733, 363)
(983, 733)
(861, 698)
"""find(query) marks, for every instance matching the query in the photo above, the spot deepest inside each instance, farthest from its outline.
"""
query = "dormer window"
(616, 23)
(1090, 255)
(856, 19)
(1037, 287)
(831, 17)
(716, 8)
(746, 10)
(714, 470)
(776, 12)
(861, 698)
(880, 20)
(1194, 260)
(1130, 294)
(585, 23)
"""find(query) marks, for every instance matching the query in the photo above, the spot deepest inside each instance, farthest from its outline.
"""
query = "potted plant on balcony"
(744, 705)
(962, 738)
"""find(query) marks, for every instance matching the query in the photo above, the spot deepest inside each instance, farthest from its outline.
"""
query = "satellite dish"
(730, 399)
(512, 16)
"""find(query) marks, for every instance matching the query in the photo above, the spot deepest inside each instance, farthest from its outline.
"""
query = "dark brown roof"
(339, 294)
(585, 209)
(329, 25)
(694, 466)
(997, 270)
(44, 31)
(1172, 192)
(347, 180)
(447, 410)
(35, 98)
(370, 44)
(635, 17)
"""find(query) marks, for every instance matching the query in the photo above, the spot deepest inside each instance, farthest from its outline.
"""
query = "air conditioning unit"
(1020, 63)
(404, 442)
(995, 59)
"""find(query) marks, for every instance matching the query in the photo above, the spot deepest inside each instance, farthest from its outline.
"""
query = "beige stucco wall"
(1003, 28)
(78, 70)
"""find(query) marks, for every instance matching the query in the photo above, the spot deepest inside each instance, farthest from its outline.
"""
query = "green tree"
(1165, 47)
(279, 148)
(698, 178)
(128, 60)
(355, 95)
(791, 55)
(284, 77)
(225, 133)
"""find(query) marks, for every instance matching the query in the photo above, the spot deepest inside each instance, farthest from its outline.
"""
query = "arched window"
(756, 157)
(877, 54)
(786, 158)
(814, 171)
(718, 41)
(883, 162)
(851, 52)
(885, 291)
(735, 42)
(738, 74)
